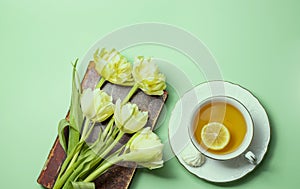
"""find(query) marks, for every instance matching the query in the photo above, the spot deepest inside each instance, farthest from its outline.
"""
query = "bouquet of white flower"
(85, 162)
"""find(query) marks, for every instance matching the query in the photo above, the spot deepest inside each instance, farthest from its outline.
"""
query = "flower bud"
(96, 105)
(113, 67)
(128, 118)
(148, 77)
(145, 149)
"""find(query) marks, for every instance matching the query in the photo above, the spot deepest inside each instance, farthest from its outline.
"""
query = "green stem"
(107, 128)
(61, 177)
(97, 146)
(115, 131)
(85, 128)
(110, 144)
(131, 93)
(112, 133)
(59, 183)
(86, 136)
(109, 148)
(95, 174)
(68, 159)
(100, 83)
(73, 176)
(98, 139)
(116, 153)
(93, 164)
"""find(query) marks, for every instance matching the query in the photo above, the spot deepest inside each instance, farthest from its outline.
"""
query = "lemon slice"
(215, 136)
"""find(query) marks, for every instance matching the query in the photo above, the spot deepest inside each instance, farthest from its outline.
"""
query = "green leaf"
(74, 137)
(61, 135)
(76, 116)
(83, 185)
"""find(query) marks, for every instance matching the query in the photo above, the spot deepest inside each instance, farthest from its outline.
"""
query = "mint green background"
(255, 43)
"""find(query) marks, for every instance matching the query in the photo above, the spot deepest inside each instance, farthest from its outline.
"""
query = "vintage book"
(117, 177)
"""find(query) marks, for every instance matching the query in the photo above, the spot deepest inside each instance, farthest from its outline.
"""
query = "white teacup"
(233, 115)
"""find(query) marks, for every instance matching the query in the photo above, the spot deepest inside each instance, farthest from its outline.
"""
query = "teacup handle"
(251, 157)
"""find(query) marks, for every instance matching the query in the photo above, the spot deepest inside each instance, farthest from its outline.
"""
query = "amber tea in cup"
(229, 114)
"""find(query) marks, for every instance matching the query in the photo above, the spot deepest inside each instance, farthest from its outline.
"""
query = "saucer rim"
(263, 153)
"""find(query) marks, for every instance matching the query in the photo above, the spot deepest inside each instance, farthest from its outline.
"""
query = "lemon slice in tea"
(215, 136)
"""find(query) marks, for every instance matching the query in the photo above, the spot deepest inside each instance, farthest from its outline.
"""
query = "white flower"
(148, 77)
(113, 67)
(128, 118)
(145, 149)
(96, 105)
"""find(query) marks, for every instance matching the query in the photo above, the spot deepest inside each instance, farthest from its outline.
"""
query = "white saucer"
(213, 170)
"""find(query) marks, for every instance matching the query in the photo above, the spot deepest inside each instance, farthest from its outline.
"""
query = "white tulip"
(113, 67)
(128, 118)
(96, 105)
(145, 149)
(146, 74)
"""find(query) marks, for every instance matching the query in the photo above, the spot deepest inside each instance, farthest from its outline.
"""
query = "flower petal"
(87, 103)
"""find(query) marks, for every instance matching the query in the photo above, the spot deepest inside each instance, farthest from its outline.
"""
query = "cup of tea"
(221, 128)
